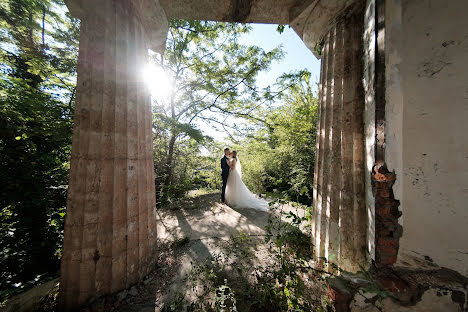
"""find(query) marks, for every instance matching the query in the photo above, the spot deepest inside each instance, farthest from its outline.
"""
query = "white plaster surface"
(394, 94)
(427, 126)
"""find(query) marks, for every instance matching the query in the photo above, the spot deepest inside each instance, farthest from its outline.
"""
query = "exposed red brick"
(387, 229)
(380, 184)
(393, 284)
(382, 174)
(340, 299)
(388, 250)
(386, 242)
(384, 192)
(383, 210)
(389, 201)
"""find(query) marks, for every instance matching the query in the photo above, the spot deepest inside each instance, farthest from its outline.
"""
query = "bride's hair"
(234, 154)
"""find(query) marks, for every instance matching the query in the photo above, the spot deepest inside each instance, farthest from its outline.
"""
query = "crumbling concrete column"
(110, 229)
(340, 223)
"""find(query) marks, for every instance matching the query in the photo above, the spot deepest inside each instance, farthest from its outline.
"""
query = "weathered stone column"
(340, 223)
(110, 230)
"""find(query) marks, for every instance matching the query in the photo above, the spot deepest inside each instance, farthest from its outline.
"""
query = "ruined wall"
(426, 132)
(369, 118)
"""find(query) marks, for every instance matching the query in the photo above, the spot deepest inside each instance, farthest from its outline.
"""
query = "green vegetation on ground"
(235, 279)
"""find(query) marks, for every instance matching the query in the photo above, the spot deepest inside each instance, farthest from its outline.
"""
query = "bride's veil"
(239, 167)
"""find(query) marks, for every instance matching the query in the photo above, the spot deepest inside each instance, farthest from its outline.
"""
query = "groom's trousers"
(223, 190)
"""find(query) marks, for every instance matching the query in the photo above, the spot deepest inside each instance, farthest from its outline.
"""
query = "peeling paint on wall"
(427, 109)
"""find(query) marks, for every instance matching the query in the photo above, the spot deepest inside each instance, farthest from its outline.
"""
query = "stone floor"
(205, 217)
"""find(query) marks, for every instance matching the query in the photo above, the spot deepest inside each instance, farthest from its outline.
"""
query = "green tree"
(280, 156)
(38, 53)
(213, 78)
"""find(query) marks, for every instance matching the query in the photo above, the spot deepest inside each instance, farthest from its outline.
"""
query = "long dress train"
(238, 195)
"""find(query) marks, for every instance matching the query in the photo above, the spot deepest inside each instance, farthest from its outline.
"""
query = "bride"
(237, 194)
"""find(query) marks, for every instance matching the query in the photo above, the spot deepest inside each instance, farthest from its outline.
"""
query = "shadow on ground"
(203, 242)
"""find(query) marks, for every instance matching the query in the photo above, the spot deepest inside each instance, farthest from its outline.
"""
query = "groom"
(224, 172)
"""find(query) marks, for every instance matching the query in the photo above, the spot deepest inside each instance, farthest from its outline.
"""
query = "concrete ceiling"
(244, 11)
(309, 18)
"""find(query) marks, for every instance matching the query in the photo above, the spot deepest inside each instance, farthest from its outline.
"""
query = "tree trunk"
(170, 153)
(170, 156)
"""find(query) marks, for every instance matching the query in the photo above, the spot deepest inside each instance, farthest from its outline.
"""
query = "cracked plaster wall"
(426, 131)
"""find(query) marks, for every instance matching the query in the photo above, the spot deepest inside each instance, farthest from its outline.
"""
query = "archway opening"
(239, 88)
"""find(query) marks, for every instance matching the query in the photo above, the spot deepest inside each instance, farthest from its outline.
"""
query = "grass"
(200, 192)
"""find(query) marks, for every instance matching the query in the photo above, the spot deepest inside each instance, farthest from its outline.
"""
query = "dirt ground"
(191, 233)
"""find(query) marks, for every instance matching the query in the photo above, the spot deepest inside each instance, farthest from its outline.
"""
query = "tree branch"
(224, 125)
(71, 99)
(211, 53)
(240, 114)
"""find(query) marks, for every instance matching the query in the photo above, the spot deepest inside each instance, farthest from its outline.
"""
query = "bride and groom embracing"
(234, 192)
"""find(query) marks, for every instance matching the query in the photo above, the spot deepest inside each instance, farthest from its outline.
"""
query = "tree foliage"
(213, 78)
(280, 156)
(38, 63)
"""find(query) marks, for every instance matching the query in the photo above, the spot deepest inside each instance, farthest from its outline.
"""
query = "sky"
(297, 57)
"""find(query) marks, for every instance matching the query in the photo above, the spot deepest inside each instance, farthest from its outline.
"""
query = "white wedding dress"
(238, 195)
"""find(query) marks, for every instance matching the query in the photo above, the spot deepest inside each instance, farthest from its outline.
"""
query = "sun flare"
(157, 81)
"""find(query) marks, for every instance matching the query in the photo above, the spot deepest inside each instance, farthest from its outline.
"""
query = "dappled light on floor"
(205, 217)
(211, 255)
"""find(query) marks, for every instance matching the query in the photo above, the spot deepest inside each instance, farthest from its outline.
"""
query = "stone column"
(340, 223)
(110, 230)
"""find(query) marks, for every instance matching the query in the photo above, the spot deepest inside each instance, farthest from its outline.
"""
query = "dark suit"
(224, 174)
